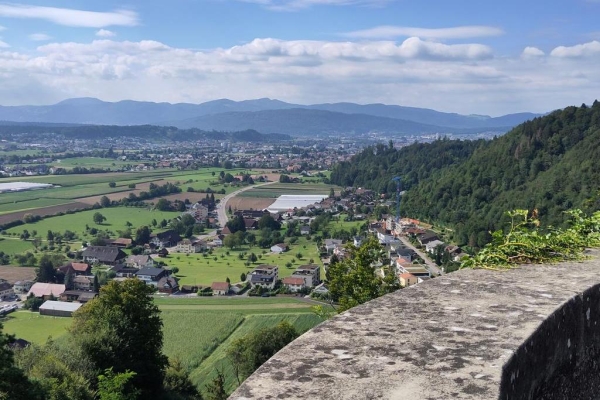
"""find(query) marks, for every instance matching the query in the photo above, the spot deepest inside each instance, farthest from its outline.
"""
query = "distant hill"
(129, 112)
(299, 121)
(549, 164)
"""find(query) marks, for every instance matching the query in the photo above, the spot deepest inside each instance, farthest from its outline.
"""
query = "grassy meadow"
(33, 327)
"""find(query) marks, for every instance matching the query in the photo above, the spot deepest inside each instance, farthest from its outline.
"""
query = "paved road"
(222, 206)
(430, 264)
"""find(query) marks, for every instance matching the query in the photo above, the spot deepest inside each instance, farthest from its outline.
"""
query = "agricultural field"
(92, 162)
(14, 274)
(116, 219)
(33, 327)
(13, 246)
(278, 189)
(195, 269)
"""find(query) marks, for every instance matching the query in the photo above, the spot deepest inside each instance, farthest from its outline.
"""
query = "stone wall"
(527, 333)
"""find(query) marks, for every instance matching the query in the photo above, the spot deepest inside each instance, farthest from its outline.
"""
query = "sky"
(464, 56)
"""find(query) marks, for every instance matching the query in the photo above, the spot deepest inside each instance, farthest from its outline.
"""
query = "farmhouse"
(108, 255)
(165, 239)
(167, 284)
(80, 296)
(83, 282)
(279, 248)
(46, 290)
(75, 268)
(220, 288)
(151, 276)
(294, 283)
(23, 286)
(121, 242)
(59, 308)
(139, 262)
(6, 291)
(190, 246)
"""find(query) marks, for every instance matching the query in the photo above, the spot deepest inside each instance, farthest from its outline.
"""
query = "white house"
(294, 283)
(279, 248)
(190, 246)
(139, 262)
(6, 290)
(430, 247)
(23, 286)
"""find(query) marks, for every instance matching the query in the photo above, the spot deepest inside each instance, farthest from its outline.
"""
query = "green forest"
(549, 164)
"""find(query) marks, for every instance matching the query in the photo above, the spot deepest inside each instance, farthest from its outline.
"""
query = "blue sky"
(466, 56)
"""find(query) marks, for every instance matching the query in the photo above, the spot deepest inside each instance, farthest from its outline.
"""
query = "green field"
(116, 218)
(92, 162)
(34, 327)
(198, 335)
(195, 269)
(14, 245)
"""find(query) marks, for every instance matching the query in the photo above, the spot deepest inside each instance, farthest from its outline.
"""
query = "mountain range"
(264, 115)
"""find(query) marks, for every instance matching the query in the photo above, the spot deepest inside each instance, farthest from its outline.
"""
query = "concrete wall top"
(447, 338)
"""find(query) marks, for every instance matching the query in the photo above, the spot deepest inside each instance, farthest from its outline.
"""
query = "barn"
(59, 308)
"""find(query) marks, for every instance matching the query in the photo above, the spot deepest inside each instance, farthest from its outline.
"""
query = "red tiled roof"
(406, 275)
(293, 281)
(81, 267)
(220, 286)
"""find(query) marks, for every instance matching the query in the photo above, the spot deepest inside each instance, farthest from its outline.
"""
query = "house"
(80, 296)
(226, 231)
(294, 283)
(264, 276)
(108, 255)
(220, 288)
(151, 275)
(122, 271)
(46, 290)
(305, 230)
(279, 248)
(415, 269)
(139, 262)
(250, 223)
(199, 212)
(190, 246)
(427, 237)
(6, 291)
(310, 273)
(321, 289)
(431, 246)
(22, 287)
(165, 239)
(168, 284)
(217, 243)
(384, 236)
(332, 244)
(59, 308)
(76, 268)
(121, 242)
(357, 241)
(407, 279)
(83, 282)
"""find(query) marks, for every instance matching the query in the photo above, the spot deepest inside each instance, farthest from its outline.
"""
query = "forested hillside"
(549, 164)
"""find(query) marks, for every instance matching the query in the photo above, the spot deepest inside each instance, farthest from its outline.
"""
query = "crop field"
(92, 162)
(116, 219)
(34, 327)
(6, 208)
(195, 269)
(191, 336)
(206, 372)
(14, 274)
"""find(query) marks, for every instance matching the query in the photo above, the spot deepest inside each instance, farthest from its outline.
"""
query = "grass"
(31, 205)
(116, 218)
(195, 269)
(191, 336)
(206, 372)
(34, 327)
(14, 245)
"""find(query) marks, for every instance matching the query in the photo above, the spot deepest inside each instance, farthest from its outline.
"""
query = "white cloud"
(579, 50)
(3, 45)
(105, 33)
(70, 17)
(532, 52)
(457, 78)
(39, 37)
(294, 5)
(458, 32)
(2, 28)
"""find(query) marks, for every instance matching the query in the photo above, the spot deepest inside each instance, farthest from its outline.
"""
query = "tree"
(98, 218)
(112, 386)
(69, 276)
(25, 234)
(236, 224)
(14, 384)
(177, 381)
(175, 270)
(267, 221)
(163, 204)
(251, 351)
(352, 281)
(215, 390)
(252, 258)
(96, 284)
(142, 235)
(122, 329)
(50, 236)
(104, 201)
(331, 193)
(243, 277)
(46, 272)
(112, 184)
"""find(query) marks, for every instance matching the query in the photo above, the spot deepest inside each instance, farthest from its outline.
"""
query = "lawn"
(116, 218)
(195, 269)
(34, 327)
(14, 246)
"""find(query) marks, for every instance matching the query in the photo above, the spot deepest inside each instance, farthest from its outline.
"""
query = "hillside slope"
(549, 164)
